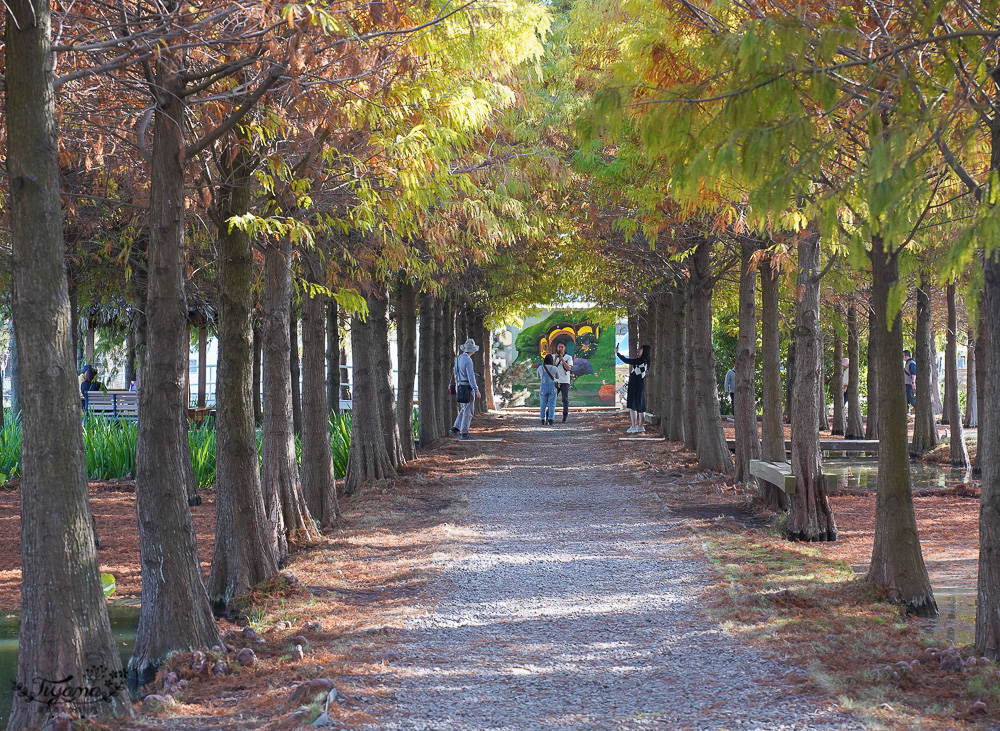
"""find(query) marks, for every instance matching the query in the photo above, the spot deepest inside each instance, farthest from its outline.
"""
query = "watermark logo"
(100, 685)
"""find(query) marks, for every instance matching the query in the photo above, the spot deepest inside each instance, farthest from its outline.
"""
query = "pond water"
(956, 623)
(859, 473)
(124, 622)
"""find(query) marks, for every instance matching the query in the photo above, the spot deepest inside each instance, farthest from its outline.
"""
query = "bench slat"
(780, 475)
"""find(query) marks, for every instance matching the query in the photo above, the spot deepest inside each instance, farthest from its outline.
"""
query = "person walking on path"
(466, 390)
(636, 401)
(564, 366)
(910, 379)
(846, 377)
(547, 390)
(729, 386)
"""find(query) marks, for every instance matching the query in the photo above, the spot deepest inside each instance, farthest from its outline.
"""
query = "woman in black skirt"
(636, 399)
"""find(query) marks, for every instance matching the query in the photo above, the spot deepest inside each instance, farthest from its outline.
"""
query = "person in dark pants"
(636, 399)
(910, 379)
(564, 366)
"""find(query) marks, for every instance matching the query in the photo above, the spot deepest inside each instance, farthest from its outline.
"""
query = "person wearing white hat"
(846, 377)
(466, 390)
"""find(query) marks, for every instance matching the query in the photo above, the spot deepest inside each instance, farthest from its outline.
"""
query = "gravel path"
(573, 604)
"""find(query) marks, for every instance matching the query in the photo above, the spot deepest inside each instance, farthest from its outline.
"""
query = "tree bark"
(257, 356)
(957, 452)
(824, 423)
(64, 630)
(332, 358)
(855, 421)
(130, 357)
(406, 359)
(897, 563)
(772, 430)
(745, 406)
(14, 370)
(378, 308)
(633, 335)
(428, 406)
(872, 401)
(444, 327)
(713, 452)
(319, 485)
(678, 424)
(925, 434)
(286, 509)
(837, 386)
(245, 551)
(175, 613)
(294, 369)
(988, 587)
(971, 420)
(980, 377)
(810, 517)
(690, 367)
(202, 366)
(477, 326)
(662, 356)
(789, 380)
(367, 459)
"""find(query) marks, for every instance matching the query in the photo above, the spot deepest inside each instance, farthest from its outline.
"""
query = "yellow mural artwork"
(543, 344)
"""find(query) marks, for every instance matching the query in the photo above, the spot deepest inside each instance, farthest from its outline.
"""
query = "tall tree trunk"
(90, 346)
(855, 421)
(406, 359)
(810, 517)
(958, 454)
(74, 319)
(480, 362)
(319, 486)
(130, 357)
(897, 563)
(649, 338)
(789, 380)
(925, 434)
(988, 454)
(772, 446)
(367, 459)
(283, 499)
(824, 423)
(294, 369)
(980, 377)
(713, 452)
(332, 358)
(678, 370)
(690, 367)
(971, 420)
(745, 406)
(175, 613)
(662, 357)
(428, 406)
(257, 355)
(378, 308)
(202, 366)
(873, 403)
(64, 630)
(936, 382)
(443, 362)
(488, 401)
(245, 551)
(837, 386)
(14, 370)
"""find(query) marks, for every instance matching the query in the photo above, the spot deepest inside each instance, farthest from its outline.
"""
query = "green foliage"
(202, 442)
(340, 441)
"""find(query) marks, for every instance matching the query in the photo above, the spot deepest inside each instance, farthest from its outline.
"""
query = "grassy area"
(110, 448)
(850, 641)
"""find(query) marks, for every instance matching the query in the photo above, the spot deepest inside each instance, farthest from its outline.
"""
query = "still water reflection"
(124, 622)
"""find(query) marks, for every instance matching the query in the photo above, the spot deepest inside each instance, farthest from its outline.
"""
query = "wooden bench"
(780, 475)
(869, 446)
(112, 405)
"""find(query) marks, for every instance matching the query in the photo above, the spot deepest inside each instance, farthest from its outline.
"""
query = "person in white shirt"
(564, 366)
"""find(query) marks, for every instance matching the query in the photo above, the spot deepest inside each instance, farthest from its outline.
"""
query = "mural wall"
(592, 348)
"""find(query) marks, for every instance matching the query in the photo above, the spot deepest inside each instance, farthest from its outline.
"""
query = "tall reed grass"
(110, 447)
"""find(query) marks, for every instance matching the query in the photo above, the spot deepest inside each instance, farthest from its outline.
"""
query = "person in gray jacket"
(465, 382)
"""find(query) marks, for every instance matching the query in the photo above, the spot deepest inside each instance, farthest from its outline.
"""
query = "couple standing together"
(554, 375)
